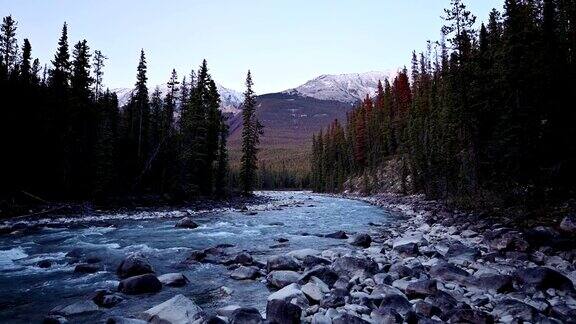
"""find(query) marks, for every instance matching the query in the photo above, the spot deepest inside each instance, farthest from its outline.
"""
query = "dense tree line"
(63, 136)
(485, 115)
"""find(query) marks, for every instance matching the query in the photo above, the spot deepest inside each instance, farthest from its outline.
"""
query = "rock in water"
(55, 319)
(339, 235)
(142, 284)
(354, 266)
(408, 249)
(84, 306)
(291, 293)
(362, 240)
(282, 278)
(245, 315)
(175, 310)
(245, 273)
(282, 312)
(348, 319)
(282, 262)
(124, 320)
(135, 264)
(173, 279)
(186, 222)
(107, 299)
(86, 268)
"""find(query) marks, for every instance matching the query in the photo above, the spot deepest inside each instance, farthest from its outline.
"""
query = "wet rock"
(568, 224)
(124, 320)
(506, 240)
(196, 256)
(323, 273)
(415, 238)
(386, 315)
(245, 315)
(443, 301)
(282, 312)
(291, 293)
(282, 240)
(214, 320)
(517, 310)
(142, 284)
(408, 249)
(226, 311)
(282, 262)
(282, 278)
(498, 282)
(44, 264)
(401, 270)
(361, 240)
(177, 309)
(397, 302)
(421, 288)
(382, 290)
(340, 235)
(333, 300)
(84, 306)
(543, 278)
(355, 266)
(346, 318)
(173, 279)
(55, 319)
(186, 222)
(460, 251)
(564, 313)
(243, 258)
(313, 292)
(310, 261)
(106, 298)
(449, 272)
(245, 273)
(426, 309)
(321, 319)
(86, 268)
(472, 316)
(303, 253)
(133, 265)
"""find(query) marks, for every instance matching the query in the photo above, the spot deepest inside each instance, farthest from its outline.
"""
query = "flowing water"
(28, 292)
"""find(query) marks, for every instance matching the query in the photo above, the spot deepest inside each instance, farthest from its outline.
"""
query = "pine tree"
(26, 62)
(251, 131)
(8, 43)
(60, 74)
(98, 70)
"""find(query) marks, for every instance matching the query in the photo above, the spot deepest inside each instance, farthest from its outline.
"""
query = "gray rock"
(44, 264)
(449, 272)
(291, 293)
(543, 278)
(472, 316)
(243, 258)
(245, 315)
(421, 288)
(386, 315)
(382, 290)
(142, 284)
(361, 240)
(55, 319)
(282, 278)
(517, 310)
(498, 282)
(124, 320)
(460, 251)
(506, 240)
(84, 306)
(397, 302)
(133, 265)
(86, 268)
(340, 235)
(175, 310)
(408, 249)
(333, 300)
(173, 279)
(355, 266)
(346, 318)
(107, 299)
(321, 319)
(282, 262)
(310, 261)
(245, 273)
(226, 311)
(282, 312)
(186, 222)
(443, 301)
(196, 256)
(568, 224)
(313, 292)
(323, 273)
(426, 309)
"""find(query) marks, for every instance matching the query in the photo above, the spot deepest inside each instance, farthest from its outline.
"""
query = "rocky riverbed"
(414, 261)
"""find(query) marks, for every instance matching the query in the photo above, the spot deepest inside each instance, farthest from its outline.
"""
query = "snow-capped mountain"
(230, 99)
(347, 88)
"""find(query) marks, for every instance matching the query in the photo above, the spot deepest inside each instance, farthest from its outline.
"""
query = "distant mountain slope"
(347, 88)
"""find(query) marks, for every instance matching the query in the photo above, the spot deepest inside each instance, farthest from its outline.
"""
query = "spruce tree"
(251, 131)
(8, 43)
(98, 70)
(26, 62)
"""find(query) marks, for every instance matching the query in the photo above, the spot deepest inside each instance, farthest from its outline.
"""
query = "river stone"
(196, 256)
(361, 240)
(107, 299)
(408, 249)
(543, 278)
(323, 273)
(44, 264)
(497, 282)
(460, 251)
(86, 268)
(282, 312)
(55, 319)
(245, 315)
(133, 265)
(355, 266)
(568, 224)
(282, 262)
(243, 258)
(340, 235)
(291, 293)
(506, 240)
(443, 301)
(124, 320)
(386, 315)
(186, 222)
(176, 310)
(245, 273)
(472, 316)
(397, 302)
(303, 253)
(517, 310)
(346, 318)
(282, 278)
(421, 288)
(449, 272)
(80, 307)
(146, 283)
(173, 279)
(415, 238)
(313, 292)
(310, 261)
(321, 319)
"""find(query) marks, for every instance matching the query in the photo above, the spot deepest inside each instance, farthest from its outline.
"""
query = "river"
(28, 292)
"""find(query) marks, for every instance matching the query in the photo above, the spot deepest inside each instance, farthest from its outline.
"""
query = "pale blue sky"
(284, 43)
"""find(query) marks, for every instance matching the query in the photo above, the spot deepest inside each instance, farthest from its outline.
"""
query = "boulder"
(568, 224)
(243, 258)
(133, 265)
(291, 293)
(142, 284)
(449, 272)
(460, 251)
(44, 264)
(124, 320)
(497, 282)
(472, 316)
(282, 262)
(245, 273)
(282, 278)
(443, 301)
(397, 302)
(339, 235)
(323, 273)
(319, 318)
(310, 261)
(361, 240)
(382, 290)
(196, 256)
(107, 299)
(422, 288)
(355, 266)
(86, 268)
(415, 238)
(227, 311)
(55, 319)
(408, 249)
(313, 292)
(425, 309)
(282, 312)
(245, 315)
(333, 300)
(347, 318)
(543, 278)
(386, 315)
(175, 310)
(506, 240)
(84, 306)
(303, 253)
(173, 279)
(186, 222)
(517, 310)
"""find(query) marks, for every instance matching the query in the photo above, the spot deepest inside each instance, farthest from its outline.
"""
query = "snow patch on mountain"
(348, 88)
(230, 100)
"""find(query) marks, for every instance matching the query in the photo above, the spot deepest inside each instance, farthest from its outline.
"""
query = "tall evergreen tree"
(251, 131)
(8, 43)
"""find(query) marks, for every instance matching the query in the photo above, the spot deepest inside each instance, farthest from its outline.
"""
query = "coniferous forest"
(64, 136)
(483, 117)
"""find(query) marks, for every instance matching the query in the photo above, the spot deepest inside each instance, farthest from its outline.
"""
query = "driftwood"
(54, 209)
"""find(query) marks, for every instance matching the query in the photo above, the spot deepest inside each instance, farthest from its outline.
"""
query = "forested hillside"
(484, 116)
